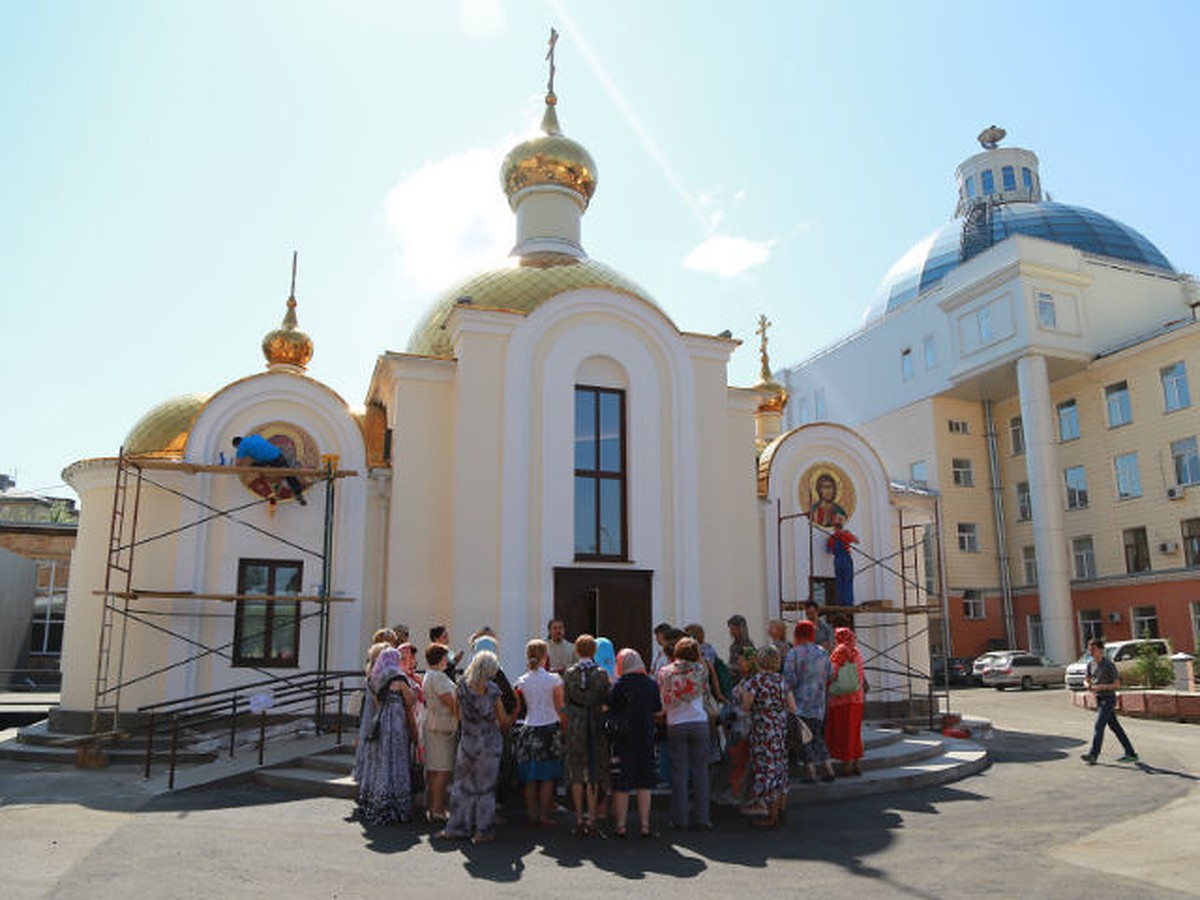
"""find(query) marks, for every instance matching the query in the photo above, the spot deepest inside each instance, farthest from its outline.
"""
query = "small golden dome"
(287, 345)
(163, 431)
(521, 288)
(552, 159)
(775, 396)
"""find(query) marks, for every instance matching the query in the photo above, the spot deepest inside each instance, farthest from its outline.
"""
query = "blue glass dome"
(927, 263)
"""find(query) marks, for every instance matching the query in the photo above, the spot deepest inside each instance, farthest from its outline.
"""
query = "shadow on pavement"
(1025, 747)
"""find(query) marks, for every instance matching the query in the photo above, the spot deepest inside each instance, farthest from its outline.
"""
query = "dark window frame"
(598, 476)
(269, 659)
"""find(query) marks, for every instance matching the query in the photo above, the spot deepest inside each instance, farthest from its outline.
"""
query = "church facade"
(550, 444)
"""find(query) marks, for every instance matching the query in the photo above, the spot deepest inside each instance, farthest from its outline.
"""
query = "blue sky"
(159, 161)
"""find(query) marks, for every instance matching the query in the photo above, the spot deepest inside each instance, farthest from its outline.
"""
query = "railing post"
(262, 735)
(232, 724)
(341, 706)
(149, 745)
(174, 746)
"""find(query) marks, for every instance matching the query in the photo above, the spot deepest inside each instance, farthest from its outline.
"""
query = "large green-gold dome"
(520, 288)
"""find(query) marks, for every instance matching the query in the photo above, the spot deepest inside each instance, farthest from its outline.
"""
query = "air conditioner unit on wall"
(1175, 493)
(1168, 547)
(1114, 617)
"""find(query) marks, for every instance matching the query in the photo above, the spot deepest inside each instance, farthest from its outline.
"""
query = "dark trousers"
(293, 482)
(688, 746)
(1106, 717)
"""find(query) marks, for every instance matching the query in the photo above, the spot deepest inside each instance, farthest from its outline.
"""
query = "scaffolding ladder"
(119, 592)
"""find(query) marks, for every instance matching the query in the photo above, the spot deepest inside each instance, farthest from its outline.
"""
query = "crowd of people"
(605, 725)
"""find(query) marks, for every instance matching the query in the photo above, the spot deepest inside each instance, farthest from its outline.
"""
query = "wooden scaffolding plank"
(171, 465)
(139, 594)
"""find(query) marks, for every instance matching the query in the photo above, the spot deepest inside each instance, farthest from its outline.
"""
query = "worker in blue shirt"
(255, 450)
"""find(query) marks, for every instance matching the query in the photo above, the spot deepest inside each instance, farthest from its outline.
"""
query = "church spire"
(287, 346)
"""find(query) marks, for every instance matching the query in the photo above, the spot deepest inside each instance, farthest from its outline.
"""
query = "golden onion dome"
(287, 345)
(521, 288)
(774, 396)
(163, 431)
(552, 159)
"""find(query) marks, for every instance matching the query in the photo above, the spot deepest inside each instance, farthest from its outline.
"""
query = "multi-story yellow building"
(1035, 362)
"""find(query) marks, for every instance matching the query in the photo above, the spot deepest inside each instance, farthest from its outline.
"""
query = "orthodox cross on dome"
(763, 324)
(550, 58)
(292, 292)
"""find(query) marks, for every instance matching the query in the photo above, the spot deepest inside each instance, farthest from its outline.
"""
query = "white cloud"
(481, 19)
(727, 256)
(450, 218)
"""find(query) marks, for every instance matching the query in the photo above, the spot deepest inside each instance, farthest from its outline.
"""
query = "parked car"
(1123, 653)
(1023, 670)
(983, 660)
(959, 668)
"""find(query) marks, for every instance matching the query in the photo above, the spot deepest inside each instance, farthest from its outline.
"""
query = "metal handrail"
(225, 707)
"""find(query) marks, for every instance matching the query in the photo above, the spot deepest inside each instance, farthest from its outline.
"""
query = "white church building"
(550, 444)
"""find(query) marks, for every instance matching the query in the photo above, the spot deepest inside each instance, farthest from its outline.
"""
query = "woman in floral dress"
(766, 697)
(384, 789)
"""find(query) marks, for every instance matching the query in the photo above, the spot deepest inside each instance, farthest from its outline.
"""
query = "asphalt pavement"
(1038, 823)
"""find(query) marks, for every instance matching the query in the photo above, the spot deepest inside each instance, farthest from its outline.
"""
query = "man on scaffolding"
(254, 450)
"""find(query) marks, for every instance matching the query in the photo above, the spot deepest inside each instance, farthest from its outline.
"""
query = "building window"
(1090, 626)
(968, 537)
(918, 472)
(929, 349)
(1137, 550)
(906, 364)
(1129, 481)
(1027, 178)
(49, 608)
(1083, 554)
(973, 605)
(1008, 178)
(803, 416)
(1016, 434)
(964, 473)
(1196, 619)
(1116, 399)
(599, 473)
(970, 186)
(984, 319)
(1077, 493)
(988, 180)
(1068, 421)
(819, 411)
(1024, 502)
(1046, 313)
(959, 426)
(1175, 387)
(1190, 529)
(1186, 458)
(1029, 564)
(267, 632)
(1037, 641)
(1144, 622)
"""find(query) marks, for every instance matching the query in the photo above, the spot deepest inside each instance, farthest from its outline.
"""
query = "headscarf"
(606, 658)
(482, 643)
(386, 667)
(846, 649)
(805, 632)
(630, 661)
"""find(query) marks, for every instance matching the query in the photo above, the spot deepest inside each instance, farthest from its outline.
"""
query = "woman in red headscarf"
(843, 723)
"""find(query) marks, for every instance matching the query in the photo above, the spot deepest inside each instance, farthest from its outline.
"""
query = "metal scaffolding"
(121, 598)
(917, 598)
